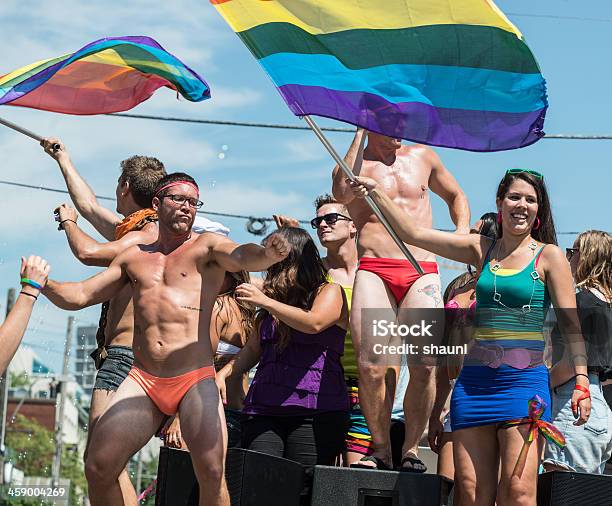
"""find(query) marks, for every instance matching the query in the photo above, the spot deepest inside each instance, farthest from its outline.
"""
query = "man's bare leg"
(375, 399)
(128, 423)
(421, 391)
(100, 400)
(203, 428)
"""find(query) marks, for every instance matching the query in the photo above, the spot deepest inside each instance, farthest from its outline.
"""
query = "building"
(84, 368)
(33, 393)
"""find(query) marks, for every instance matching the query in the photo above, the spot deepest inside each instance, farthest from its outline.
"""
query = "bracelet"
(32, 283)
(61, 223)
(580, 374)
(29, 295)
(586, 393)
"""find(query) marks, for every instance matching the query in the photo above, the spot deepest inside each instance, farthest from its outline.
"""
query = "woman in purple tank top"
(297, 404)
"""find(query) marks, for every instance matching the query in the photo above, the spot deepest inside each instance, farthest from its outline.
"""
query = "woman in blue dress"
(501, 398)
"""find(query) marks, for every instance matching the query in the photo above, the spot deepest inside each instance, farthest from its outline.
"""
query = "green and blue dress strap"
(537, 258)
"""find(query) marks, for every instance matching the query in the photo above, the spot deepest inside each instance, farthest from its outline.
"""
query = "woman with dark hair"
(459, 303)
(501, 397)
(231, 324)
(589, 446)
(297, 404)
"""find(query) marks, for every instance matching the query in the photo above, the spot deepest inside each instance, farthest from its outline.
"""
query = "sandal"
(381, 465)
(413, 460)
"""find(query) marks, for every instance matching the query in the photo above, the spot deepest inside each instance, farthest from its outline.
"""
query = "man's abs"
(375, 241)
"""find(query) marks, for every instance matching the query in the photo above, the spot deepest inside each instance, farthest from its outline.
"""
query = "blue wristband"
(31, 282)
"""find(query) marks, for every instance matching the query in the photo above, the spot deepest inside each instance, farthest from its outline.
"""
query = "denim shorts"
(115, 368)
(589, 446)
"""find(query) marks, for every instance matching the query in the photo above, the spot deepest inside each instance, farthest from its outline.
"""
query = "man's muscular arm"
(247, 257)
(103, 219)
(91, 252)
(445, 185)
(354, 159)
(99, 288)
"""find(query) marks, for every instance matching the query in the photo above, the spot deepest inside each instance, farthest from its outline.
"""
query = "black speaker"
(363, 487)
(253, 479)
(574, 489)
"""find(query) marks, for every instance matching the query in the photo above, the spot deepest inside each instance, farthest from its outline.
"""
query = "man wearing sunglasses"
(386, 280)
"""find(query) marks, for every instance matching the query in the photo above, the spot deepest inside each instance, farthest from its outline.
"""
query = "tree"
(32, 447)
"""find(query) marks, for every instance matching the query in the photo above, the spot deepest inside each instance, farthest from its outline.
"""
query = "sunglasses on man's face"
(330, 219)
(570, 252)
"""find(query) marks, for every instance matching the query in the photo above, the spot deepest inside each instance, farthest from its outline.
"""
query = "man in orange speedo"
(387, 281)
(175, 282)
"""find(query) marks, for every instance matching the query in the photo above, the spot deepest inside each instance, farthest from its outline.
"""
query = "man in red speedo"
(386, 280)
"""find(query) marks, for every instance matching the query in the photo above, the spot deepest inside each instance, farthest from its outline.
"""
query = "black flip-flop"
(381, 465)
(412, 460)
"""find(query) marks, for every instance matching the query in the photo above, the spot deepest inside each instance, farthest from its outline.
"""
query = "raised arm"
(246, 257)
(103, 219)
(465, 248)
(327, 309)
(91, 252)
(443, 183)
(354, 159)
(99, 288)
(11, 331)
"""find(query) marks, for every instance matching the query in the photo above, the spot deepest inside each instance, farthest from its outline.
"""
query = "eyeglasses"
(330, 219)
(570, 252)
(528, 171)
(181, 199)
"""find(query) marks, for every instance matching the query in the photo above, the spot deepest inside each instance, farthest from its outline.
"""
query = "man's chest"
(405, 179)
(156, 270)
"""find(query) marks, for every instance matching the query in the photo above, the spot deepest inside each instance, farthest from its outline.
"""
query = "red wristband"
(585, 395)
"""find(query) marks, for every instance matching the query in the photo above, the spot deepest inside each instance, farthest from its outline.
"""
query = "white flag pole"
(25, 131)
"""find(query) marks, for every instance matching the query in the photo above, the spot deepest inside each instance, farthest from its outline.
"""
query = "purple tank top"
(304, 379)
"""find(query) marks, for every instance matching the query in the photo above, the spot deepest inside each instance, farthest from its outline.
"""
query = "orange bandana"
(135, 221)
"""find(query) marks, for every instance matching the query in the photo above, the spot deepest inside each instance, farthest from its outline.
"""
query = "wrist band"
(35, 297)
(32, 283)
(61, 224)
(580, 374)
(586, 393)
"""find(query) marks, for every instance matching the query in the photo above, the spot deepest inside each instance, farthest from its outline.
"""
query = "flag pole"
(349, 174)
(25, 131)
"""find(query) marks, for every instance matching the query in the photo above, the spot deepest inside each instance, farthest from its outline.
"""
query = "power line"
(101, 197)
(227, 123)
(214, 213)
(551, 16)
(299, 127)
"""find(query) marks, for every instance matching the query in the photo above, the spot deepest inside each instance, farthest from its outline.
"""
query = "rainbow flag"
(453, 73)
(108, 75)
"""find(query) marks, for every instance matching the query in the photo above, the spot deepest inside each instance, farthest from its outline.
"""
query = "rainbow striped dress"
(504, 370)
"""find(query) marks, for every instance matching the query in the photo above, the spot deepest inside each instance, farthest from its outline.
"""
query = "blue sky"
(269, 171)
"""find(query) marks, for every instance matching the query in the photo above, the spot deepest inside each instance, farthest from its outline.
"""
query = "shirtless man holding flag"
(175, 282)
(386, 280)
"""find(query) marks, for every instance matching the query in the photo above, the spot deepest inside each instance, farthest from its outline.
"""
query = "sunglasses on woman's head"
(527, 171)
(329, 218)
